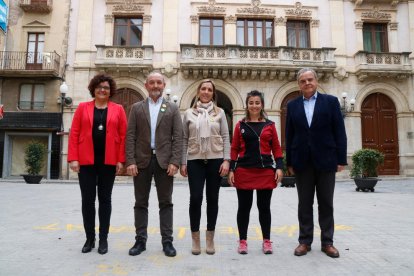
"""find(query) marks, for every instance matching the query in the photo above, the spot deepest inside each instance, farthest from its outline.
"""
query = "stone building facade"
(360, 49)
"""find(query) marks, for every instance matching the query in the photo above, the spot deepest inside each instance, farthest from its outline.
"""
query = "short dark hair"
(255, 93)
(95, 81)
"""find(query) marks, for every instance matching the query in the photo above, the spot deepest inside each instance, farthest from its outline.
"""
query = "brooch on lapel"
(163, 107)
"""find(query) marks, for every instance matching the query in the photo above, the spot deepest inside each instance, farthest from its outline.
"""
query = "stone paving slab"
(42, 234)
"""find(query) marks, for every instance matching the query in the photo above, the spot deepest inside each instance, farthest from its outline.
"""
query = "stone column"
(393, 37)
(84, 35)
(109, 29)
(336, 11)
(314, 33)
(359, 36)
(194, 29)
(280, 32)
(230, 31)
(411, 25)
(146, 21)
(169, 32)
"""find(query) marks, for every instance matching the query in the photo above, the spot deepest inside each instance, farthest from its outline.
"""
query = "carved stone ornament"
(280, 21)
(109, 18)
(340, 73)
(194, 18)
(129, 5)
(394, 26)
(359, 24)
(230, 19)
(211, 8)
(314, 23)
(146, 18)
(298, 11)
(375, 14)
(255, 9)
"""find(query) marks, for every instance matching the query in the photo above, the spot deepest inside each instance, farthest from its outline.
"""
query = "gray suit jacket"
(168, 136)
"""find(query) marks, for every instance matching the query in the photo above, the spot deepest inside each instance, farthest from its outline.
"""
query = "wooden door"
(379, 130)
(126, 97)
(283, 114)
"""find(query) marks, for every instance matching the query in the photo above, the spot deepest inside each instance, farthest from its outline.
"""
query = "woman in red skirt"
(252, 167)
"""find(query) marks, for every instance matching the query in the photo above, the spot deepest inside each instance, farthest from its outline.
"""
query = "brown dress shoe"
(330, 250)
(302, 249)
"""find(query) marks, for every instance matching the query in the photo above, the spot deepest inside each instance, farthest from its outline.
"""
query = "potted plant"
(364, 167)
(34, 158)
(288, 179)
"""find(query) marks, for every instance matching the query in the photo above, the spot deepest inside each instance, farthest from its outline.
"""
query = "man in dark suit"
(153, 149)
(315, 151)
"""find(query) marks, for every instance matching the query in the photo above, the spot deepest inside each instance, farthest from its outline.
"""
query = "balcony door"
(35, 45)
(379, 130)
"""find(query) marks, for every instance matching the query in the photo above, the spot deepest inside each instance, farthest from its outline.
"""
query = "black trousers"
(307, 182)
(199, 172)
(92, 178)
(245, 198)
(142, 188)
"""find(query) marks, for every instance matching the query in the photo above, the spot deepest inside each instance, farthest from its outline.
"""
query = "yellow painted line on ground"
(182, 231)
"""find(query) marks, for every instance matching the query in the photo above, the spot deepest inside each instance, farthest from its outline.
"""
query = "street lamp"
(168, 94)
(344, 107)
(63, 89)
(175, 98)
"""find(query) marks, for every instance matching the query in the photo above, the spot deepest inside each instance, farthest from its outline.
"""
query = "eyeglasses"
(106, 88)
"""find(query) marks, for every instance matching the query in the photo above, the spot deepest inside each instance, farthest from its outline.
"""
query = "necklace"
(101, 113)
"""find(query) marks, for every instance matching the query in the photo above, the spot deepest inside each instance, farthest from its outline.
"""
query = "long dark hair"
(255, 93)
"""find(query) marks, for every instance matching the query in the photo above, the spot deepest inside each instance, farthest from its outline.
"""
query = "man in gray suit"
(153, 148)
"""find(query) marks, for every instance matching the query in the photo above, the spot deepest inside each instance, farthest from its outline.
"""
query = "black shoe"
(138, 247)
(103, 247)
(169, 249)
(89, 244)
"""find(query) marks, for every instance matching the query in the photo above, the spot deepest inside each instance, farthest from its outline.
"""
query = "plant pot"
(32, 179)
(288, 181)
(366, 184)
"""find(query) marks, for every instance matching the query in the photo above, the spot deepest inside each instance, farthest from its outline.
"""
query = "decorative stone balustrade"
(370, 64)
(253, 62)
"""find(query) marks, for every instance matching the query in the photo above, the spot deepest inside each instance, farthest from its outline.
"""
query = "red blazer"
(80, 137)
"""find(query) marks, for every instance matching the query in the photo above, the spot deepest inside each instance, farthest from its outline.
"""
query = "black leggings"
(200, 171)
(245, 198)
(90, 177)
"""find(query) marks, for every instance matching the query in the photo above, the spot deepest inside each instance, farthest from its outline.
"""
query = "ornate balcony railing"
(240, 61)
(125, 57)
(36, 6)
(29, 63)
(382, 65)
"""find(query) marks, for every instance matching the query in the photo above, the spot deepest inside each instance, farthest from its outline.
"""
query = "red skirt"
(254, 179)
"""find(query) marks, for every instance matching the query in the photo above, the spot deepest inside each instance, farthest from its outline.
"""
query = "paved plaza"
(41, 233)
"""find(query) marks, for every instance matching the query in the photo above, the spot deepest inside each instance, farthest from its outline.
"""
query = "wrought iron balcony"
(254, 62)
(396, 65)
(29, 64)
(125, 58)
(36, 6)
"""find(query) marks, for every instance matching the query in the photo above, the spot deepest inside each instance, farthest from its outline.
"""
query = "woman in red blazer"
(96, 152)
